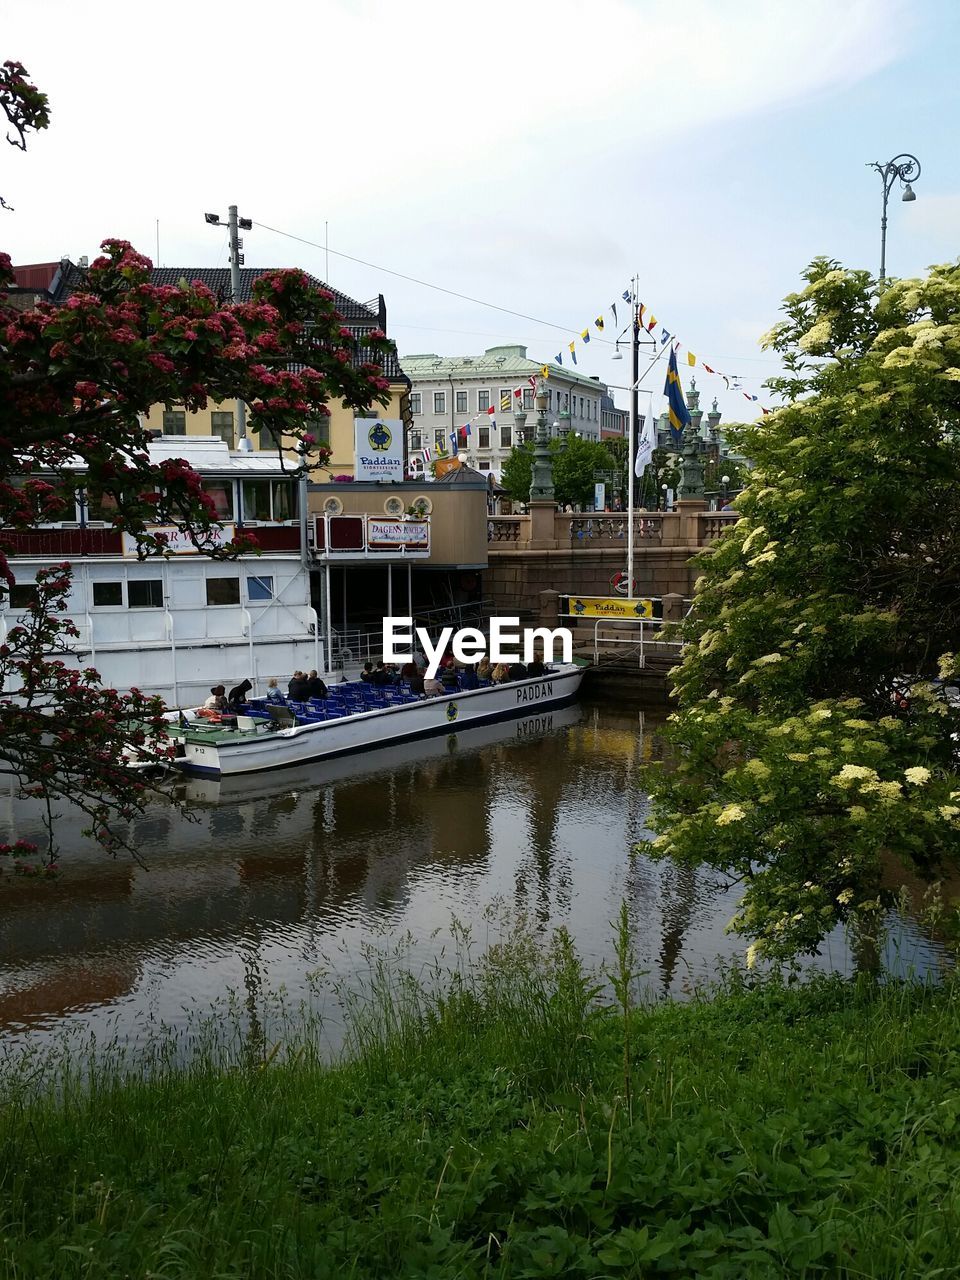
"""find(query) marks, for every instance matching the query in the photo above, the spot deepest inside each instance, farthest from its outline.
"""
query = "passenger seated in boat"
(449, 677)
(217, 700)
(536, 667)
(469, 678)
(432, 687)
(382, 674)
(315, 686)
(297, 688)
(416, 681)
(237, 697)
(273, 692)
(517, 671)
(484, 669)
(409, 670)
(500, 673)
(367, 673)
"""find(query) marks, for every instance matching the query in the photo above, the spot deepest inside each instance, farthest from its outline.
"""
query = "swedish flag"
(676, 405)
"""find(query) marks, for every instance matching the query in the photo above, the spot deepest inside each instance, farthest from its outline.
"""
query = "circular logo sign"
(379, 437)
(452, 711)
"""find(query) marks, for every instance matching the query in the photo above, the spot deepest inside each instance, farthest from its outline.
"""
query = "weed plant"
(522, 1118)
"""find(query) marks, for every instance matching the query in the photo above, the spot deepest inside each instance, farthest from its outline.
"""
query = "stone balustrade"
(609, 529)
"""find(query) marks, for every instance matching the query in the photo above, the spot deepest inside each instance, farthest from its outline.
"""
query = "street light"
(724, 481)
(235, 225)
(907, 168)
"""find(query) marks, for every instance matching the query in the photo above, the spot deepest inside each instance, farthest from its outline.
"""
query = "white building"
(178, 625)
(450, 391)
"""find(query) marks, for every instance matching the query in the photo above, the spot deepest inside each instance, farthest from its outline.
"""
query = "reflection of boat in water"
(382, 760)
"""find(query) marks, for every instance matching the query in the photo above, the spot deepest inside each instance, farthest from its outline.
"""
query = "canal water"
(412, 849)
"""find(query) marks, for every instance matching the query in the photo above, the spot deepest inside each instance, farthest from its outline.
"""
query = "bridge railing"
(578, 531)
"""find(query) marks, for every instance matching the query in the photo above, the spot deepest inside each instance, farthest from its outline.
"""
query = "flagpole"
(632, 428)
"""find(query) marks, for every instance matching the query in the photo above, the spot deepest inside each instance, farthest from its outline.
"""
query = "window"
(506, 399)
(145, 593)
(221, 491)
(581, 406)
(101, 506)
(505, 433)
(416, 438)
(269, 500)
(416, 402)
(483, 437)
(462, 401)
(260, 588)
(107, 593)
(484, 466)
(439, 440)
(483, 401)
(22, 595)
(174, 422)
(439, 402)
(221, 424)
(269, 439)
(223, 590)
(528, 397)
(319, 428)
(550, 399)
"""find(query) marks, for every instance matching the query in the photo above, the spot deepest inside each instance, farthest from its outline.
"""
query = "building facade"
(56, 281)
(448, 392)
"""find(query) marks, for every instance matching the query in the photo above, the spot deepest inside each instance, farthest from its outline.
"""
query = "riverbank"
(511, 1127)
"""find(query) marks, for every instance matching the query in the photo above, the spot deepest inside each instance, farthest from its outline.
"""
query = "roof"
(463, 475)
(496, 363)
(217, 280)
(58, 280)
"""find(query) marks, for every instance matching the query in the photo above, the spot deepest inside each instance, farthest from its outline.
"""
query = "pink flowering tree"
(75, 382)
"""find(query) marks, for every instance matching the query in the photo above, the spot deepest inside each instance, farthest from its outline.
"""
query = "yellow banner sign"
(600, 607)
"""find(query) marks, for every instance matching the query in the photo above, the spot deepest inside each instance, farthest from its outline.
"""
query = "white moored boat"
(220, 752)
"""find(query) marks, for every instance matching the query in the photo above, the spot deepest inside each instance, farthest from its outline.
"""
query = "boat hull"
(256, 753)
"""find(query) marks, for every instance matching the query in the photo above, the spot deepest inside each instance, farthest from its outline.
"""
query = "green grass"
(514, 1125)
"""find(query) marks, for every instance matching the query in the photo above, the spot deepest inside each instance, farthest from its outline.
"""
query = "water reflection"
(280, 874)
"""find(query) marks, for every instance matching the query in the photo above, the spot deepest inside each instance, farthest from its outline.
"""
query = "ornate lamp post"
(541, 486)
(907, 168)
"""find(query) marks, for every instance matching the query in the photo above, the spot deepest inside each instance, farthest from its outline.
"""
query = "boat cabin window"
(260, 588)
(22, 595)
(223, 590)
(107, 593)
(145, 593)
(269, 500)
(99, 506)
(221, 491)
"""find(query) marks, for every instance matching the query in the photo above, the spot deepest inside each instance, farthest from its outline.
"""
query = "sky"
(533, 156)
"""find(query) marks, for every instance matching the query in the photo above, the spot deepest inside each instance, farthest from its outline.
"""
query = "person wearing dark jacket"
(237, 696)
(315, 686)
(297, 689)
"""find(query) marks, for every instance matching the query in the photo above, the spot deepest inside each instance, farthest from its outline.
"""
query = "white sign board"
(403, 533)
(378, 450)
(179, 543)
(599, 497)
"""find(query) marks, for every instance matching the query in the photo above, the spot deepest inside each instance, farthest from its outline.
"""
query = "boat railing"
(352, 646)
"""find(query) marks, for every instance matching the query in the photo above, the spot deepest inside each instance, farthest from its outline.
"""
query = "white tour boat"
(253, 747)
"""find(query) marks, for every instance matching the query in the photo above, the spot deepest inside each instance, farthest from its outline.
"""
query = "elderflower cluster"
(851, 773)
(732, 813)
(918, 775)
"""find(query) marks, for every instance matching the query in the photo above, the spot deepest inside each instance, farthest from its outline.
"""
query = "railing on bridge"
(631, 626)
(595, 531)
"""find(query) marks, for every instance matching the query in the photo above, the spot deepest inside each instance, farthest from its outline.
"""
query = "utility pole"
(234, 226)
(632, 428)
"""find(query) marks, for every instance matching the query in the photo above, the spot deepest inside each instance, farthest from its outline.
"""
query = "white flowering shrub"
(815, 739)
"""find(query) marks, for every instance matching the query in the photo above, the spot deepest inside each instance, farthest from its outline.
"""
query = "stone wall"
(514, 578)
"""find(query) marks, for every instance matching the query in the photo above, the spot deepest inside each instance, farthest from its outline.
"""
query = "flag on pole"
(453, 441)
(626, 295)
(665, 337)
(691, 358)
(517, 392)
(585, 335)
(599, 323)
(613, 308)
(573, 351)
(559, 358)
(646, 443)
(544, 373)
(677, 409)
(505, 403)
(651, 324)
(426, 454)
(490, 411)
(465, 433)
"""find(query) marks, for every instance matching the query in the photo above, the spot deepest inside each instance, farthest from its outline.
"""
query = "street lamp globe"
(908, 194)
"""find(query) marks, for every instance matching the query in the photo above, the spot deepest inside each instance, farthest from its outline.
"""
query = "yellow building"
(337, 431)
